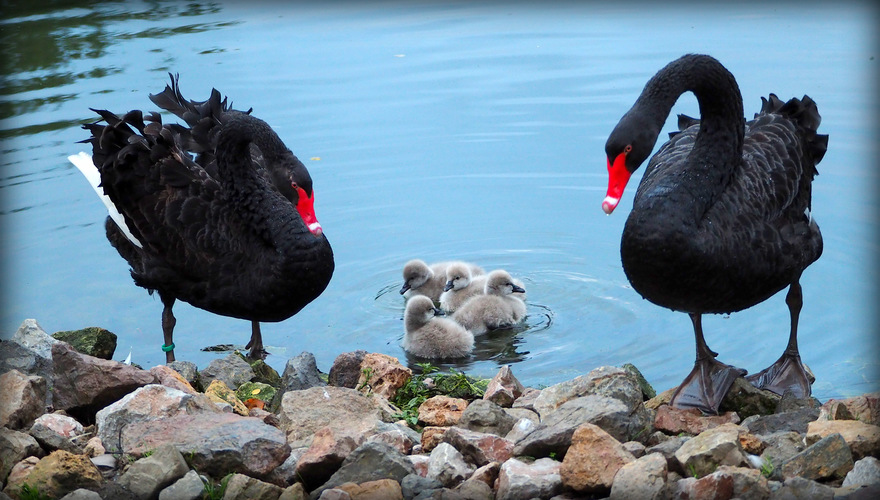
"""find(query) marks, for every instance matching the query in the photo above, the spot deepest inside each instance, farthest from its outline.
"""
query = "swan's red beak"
(618, 176)
(306, 208)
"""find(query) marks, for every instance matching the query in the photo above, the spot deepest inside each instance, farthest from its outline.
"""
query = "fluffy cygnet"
(460, 286)
(428, 336)
(496, 309)
(421, 279)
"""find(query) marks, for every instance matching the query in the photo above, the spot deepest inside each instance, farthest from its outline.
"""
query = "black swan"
(721, 220)
(219, 214)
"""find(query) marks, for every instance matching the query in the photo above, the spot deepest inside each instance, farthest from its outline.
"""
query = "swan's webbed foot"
(787, 374)
(706, 386)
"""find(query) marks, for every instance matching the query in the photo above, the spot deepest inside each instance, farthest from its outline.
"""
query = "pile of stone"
(77, 426)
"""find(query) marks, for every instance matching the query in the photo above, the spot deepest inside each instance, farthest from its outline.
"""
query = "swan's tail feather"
(805, 114)
(83, 162)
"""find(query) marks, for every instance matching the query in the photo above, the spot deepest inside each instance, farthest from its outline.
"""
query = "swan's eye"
(627, 149)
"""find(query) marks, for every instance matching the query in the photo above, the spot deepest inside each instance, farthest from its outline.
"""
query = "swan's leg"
(256, 343)
(709, 381)
(787, 374)
(168, 322)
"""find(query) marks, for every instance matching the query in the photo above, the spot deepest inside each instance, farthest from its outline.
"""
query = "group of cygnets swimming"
(475, 301)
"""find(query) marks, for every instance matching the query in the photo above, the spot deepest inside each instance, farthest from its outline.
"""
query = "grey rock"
(553, 435)
(504, 388)
(146, 477)
(82, 494)
(607, 381)
(14, 447)
(864, 472)
(644, 478)
(189, 487)
(781, 447)
(702, 454)
(474, 489)
(232, 370)
(286, 472)
(521, 429)
(241, 487)
(485, 416)
(479, 448)
(413, 484)
(218, 442)
(94, 341)
(792, 421)
(828, 458)
(49, 430)
(346, 369)
(31, 336)
(798, 488)
(369, 462)
(300, 373)
(519, 480)
(668, 448)
(448, 466)
(648, 391)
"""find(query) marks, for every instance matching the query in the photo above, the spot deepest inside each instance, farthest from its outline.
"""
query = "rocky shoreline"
(76, 425)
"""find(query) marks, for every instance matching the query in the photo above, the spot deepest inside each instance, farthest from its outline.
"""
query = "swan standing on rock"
(233, 232)
(497, 308)
(428, 336)
(421, 279)
(721, 220)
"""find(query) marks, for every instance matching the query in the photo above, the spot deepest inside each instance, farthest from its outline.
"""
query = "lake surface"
(468, 131)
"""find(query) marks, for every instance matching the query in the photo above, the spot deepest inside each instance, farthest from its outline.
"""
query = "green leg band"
(168, 348)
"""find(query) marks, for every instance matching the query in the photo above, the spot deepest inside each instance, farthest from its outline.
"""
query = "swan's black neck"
(259, 204)
(719, 143)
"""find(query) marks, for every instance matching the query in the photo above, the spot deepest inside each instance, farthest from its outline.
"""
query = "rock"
(256, 390)
(863, 439)
(188, 487)
(431, 437)
(82, 494)
(648, 392)
(55, 432)
(264, 373)
(747, 400)
(170, 378)
(593, 460)
(485, 416)
(146, 477)
(218, 442)
(241, 487)
(865, 408)
(747, 483)
(474, 490)
(14, 447)
(294, 492)
(399, 438)
(414, 484)
(286, 472)
(519, 480)
(151, 402)
(420, 463)
(441, 411)
(643, 478)
(607, 381)
(16, 357)
(830, 457)
(798, 488)
(554, 433)
(793, 421)
(369, 462)
(232, 370)
(18, 475)
(301, 372)
(22, 399)
(303, 412)
(94, 341)
(527, 400)
(700, 455)
(487, 473)
(329, 448)
(691, 421)
(504, 388)
(865, 471)
(346, 369)
(31, 336)
(834, 410)
(189, 371)
(383, 375)
(381, 489)
(85, 384)
(478, 447)
(218, 392)
(668, 448)
(58, 474)
(636, 448)
(448, 466)
(94, 447)
(522, 428)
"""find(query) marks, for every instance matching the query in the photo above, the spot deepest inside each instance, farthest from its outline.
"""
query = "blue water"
(468, 130)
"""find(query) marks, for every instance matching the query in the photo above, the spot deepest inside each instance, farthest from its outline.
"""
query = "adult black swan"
(219, 213)
(721, 220)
